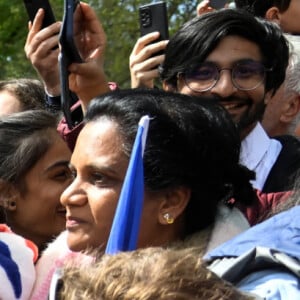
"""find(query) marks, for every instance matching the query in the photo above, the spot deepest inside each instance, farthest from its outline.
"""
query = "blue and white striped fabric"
(126, 223)
(17, 271)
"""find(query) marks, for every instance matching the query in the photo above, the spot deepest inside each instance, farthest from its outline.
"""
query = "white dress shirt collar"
(259, 153)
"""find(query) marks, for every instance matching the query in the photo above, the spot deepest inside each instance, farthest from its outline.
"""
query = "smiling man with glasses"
(237, 59)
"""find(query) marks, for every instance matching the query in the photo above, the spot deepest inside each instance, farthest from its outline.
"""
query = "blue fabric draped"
(126, 223)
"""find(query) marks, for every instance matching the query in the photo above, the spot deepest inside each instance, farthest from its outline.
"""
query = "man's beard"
(251, 117)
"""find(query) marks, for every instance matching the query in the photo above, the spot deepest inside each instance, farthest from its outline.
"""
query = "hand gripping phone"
(32, 6)
(69, 37)
(154, 17)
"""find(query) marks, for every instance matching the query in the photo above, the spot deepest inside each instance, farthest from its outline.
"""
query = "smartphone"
(69, 36)
(69, 39)
(32, 6)
(217, 4)
(154, 17)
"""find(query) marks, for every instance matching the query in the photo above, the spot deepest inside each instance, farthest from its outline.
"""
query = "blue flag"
(126, 224)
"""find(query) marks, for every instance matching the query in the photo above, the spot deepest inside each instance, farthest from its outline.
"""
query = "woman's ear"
(9, 195)
(173, 205)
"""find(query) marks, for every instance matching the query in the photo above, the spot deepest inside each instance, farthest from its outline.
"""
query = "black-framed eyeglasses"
(245, 76)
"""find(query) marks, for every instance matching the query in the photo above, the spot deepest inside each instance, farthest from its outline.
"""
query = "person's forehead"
(234, 48)
(98, 141)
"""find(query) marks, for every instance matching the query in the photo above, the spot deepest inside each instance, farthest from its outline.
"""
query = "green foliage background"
(120, 22)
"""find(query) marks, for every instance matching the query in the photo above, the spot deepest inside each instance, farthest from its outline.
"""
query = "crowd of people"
(220, 213)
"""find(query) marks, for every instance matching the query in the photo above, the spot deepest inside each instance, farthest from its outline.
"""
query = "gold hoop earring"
(168, 218)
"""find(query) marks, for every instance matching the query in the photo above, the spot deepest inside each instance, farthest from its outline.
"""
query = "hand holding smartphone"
(153, 17)
(32, 6)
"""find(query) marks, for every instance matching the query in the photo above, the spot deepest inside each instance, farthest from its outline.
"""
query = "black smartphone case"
(154, 17)
(217, 4)
(68, 54)
(32, 7)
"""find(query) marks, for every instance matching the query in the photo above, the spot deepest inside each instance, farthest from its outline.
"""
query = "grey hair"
(292, 82)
